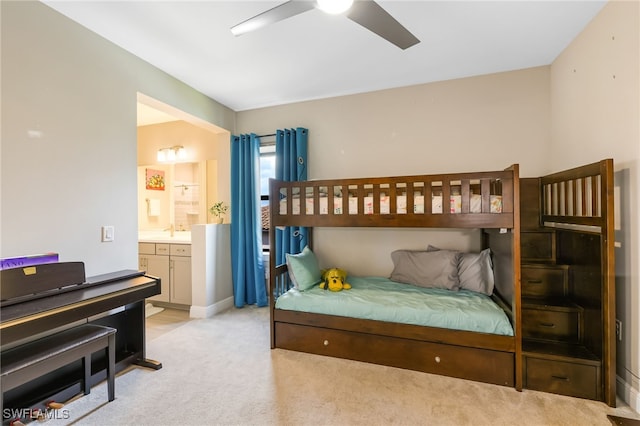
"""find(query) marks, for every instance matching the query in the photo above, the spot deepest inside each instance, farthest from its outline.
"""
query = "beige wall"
(480, 123)
(596, 114)
(79, 173)
(200, 144)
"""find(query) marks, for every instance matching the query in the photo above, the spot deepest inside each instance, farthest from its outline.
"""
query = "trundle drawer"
(455, 361)
(545, 280)
(548, 324)
(560, 377)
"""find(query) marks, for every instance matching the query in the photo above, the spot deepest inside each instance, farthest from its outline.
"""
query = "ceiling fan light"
(334, 7)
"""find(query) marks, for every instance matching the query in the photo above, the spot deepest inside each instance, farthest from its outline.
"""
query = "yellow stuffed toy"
(334, 280)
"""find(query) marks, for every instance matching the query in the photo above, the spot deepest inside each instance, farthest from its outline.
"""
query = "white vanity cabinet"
(180, 271)
(156, 265)
(172, 264)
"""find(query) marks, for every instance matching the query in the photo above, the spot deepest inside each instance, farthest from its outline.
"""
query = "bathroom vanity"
(171, 262)
(194, 268)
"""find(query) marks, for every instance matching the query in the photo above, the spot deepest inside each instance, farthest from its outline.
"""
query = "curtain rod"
(269, 143)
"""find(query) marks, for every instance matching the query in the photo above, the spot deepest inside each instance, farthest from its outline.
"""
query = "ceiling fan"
(367, 13)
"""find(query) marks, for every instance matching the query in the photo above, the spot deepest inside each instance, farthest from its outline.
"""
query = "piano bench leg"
(86, 378)
(111, 367)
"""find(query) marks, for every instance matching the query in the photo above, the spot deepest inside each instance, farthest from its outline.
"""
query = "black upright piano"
(40, 300)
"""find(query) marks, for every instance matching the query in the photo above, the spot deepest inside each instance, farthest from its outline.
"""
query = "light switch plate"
(108, 232)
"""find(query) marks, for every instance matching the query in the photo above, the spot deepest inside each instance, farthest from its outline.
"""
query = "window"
(267, 171)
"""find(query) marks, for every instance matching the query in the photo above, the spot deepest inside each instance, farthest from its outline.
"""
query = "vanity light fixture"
(172, 154)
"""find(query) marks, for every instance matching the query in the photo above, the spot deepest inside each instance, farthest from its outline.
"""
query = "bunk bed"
(487, 200)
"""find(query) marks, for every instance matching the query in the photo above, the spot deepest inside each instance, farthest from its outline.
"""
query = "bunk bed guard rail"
(462, 200)
(581, 198)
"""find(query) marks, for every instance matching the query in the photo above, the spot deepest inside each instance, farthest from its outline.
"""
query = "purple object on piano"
(37, 259)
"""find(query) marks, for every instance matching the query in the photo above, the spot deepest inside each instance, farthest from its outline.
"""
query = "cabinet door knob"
(326, 343)
(437, 359)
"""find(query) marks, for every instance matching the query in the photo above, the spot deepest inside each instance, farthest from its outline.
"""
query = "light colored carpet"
(221, 371)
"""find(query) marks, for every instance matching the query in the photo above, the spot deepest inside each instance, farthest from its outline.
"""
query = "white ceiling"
(315, 55)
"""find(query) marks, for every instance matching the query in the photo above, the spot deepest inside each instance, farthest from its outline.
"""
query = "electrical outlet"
(619, 329)
(108, 233)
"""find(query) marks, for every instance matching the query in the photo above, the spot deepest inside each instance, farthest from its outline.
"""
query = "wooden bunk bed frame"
(470, 355)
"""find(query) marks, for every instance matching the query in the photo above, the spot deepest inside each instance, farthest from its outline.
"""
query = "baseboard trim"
(628, 394)
(211, 310)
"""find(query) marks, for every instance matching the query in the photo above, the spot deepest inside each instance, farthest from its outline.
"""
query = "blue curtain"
(291, 165)
(246, 228)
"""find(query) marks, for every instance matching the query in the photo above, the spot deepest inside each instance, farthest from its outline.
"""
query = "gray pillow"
(475, 271)
(435, 269)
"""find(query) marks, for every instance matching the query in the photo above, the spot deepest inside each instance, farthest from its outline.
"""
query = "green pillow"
(303, 269)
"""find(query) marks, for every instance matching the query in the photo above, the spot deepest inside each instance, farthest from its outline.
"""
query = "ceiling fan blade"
(278, 13)
(373, 17)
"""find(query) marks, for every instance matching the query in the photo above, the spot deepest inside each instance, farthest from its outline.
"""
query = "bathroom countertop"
(179, 237)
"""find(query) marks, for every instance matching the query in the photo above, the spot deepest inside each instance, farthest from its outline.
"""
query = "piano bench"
(27, 362)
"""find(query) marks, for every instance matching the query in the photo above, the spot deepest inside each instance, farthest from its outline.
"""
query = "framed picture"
(155, 179)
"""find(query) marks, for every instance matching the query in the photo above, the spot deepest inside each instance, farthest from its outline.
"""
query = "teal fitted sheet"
(378, 298)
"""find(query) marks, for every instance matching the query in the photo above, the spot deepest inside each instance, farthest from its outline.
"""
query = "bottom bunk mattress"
(380, 299)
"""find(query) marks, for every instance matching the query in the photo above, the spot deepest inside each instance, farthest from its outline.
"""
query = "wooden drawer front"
(146, 248)
(455, 361)
(180, 250)
(551, 325)
(537, 246)
(162, 248)
(544, 281)
(560, 377)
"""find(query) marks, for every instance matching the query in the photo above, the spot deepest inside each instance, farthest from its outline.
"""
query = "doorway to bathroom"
(183, 167)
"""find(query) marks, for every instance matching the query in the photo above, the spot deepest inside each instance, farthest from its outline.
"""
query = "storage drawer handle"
(566, 379)
(534, 281)
(547, 324)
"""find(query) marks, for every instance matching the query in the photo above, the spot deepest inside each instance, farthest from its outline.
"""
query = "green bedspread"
(378, 298)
